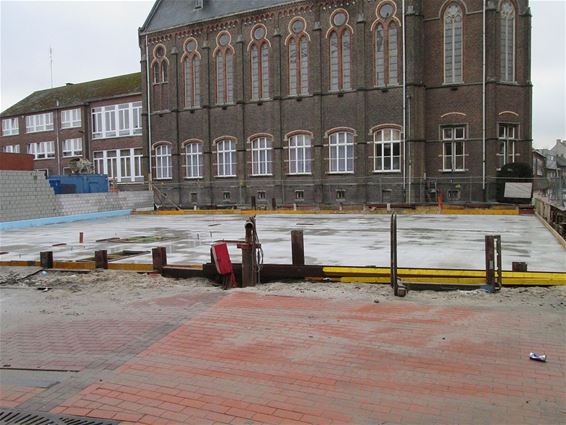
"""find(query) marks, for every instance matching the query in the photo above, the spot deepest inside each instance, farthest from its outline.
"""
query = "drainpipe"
(57, 147)
(148, 110)
(483, 104)
(404, 102)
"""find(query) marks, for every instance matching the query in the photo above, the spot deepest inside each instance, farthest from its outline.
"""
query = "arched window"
(341, 152)
(159, 69)
(386, 43)
(261, 156)
(298, 46)
(191, 73)
(226, 158)
(453, 40)
(163, 164)
(340, 38)
(387, 150)
(259, 61)
(193, 160)
(507, 41)
(224, 57)
(300, 154)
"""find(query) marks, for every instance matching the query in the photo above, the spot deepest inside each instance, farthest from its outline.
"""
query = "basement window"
(261, 195)
(340, 194)
(226, 196)
(194, 197)
(299, 195)
(453, 195)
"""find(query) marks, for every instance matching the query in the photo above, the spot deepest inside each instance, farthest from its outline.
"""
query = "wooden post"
(248, 257)
(297, 247)
(499, 281)
(159, 256)
(273, 203)
(489, 261)
(46, 259)
(394, 251)
(253, 203)
(493, 262)
(101, 259)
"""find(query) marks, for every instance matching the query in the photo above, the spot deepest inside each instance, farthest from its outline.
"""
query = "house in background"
(96, 120)
(326, 102)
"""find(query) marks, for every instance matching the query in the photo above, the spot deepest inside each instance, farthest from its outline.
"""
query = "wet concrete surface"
(455, 241)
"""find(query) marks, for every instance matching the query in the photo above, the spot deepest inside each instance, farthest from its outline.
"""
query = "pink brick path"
(252, 359)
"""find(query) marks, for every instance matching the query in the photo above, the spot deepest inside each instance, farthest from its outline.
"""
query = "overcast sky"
(98, 39)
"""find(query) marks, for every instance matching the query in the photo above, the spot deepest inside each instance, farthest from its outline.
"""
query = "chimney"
(69, 84)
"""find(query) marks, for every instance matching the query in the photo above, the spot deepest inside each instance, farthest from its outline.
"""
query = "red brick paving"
(13, 395)
(252, 359)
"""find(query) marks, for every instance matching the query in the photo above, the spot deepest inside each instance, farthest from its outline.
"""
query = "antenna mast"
(51, 64)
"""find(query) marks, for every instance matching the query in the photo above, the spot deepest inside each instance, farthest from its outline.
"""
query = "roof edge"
(152, 13)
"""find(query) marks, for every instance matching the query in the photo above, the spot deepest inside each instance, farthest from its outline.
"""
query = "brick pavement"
(252, 359)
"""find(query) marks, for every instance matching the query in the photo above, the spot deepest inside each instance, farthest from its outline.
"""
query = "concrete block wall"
(26, 195)
(83, 203)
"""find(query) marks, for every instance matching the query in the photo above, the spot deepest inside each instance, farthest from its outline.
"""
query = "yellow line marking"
(410, 211)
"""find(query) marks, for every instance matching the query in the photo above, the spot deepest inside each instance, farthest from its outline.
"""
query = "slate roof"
(173, 13)
(77, 94)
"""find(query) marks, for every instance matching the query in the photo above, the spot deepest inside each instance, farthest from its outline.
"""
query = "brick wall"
(26, 195)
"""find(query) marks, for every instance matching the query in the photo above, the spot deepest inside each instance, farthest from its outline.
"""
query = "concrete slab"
(455, 241)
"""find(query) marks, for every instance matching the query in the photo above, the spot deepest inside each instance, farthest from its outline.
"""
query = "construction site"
(284, 317)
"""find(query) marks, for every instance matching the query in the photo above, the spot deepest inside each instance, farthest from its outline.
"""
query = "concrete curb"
(19, 224)
(557, 235)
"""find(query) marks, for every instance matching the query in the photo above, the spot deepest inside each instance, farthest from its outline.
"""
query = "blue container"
(55, 185)
(79, 183)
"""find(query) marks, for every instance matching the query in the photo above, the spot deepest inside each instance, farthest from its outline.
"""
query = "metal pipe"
(147, 76)
(404, 96)
(484, 103)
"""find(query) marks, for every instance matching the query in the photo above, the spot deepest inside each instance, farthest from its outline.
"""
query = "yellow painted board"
(20, 263)
(74, 265)
(137, 267)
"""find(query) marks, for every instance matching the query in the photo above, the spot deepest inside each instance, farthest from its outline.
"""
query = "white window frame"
(507, 153)
(39, 122)
(71, 118)
(193, 160)
(10, 127)
(385, 142)
(341, 152)
(262, 156)
(120, 120)
(111, 163)
(72, 147)
(163, 169)
(300, 154)
(11, 149)
(226, 158)
(42, 150)
(454, 137)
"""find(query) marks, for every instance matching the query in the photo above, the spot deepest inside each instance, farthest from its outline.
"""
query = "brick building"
(331, 101)
(97, 120)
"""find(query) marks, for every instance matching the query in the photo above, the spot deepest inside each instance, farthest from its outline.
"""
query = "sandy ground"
(74, 293)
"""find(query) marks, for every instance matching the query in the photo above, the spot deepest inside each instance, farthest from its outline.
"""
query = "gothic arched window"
(340, 44)
(298, 47)
(453, 44)
(224, 58)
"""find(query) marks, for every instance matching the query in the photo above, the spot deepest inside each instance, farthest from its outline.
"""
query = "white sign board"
(518, 190)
